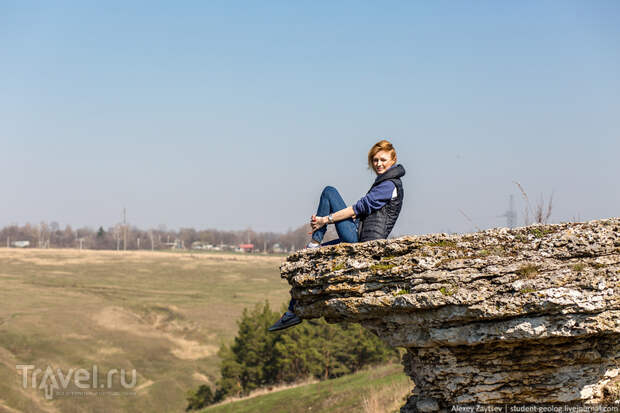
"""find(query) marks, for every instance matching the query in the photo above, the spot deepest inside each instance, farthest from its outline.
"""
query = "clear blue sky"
(235, 114)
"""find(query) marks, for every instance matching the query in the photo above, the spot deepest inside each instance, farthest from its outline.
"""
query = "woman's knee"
(329, 190)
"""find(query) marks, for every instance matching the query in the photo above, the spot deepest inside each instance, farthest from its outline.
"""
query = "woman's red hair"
(382, 145)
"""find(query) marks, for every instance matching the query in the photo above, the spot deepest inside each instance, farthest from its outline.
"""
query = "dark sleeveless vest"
(379, 224)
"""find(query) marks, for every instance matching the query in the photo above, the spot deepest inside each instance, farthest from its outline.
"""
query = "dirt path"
(117, 318)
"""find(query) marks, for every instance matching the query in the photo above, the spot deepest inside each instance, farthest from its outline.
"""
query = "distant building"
(20, 244)
(176, 245)
(198, 245)
(246, 247)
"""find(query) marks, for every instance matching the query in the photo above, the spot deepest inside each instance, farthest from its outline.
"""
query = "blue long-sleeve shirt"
(375, 199)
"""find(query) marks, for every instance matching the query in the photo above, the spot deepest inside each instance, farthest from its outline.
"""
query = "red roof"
(246, 246)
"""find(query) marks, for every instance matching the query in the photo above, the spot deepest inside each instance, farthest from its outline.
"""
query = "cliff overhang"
(526, 315)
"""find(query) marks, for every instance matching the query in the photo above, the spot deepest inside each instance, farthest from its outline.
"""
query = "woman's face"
(382, 161)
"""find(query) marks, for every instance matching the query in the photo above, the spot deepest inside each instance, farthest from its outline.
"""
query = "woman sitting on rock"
(372, 217)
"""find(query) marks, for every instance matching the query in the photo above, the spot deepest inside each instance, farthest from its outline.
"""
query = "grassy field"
(376, 390)
(162, 314)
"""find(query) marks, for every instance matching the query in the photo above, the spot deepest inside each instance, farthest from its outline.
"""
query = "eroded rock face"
(500, 316)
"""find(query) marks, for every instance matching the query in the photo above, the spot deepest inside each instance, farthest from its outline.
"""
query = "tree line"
(314, 348)
(124, 237)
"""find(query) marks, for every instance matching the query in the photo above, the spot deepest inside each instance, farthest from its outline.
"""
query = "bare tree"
(43, 235)
(118, 231)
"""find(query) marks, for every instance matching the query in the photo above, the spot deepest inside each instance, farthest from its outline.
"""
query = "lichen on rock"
(528, 315)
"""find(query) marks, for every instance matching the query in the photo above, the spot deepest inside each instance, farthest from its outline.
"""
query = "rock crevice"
(529, 315)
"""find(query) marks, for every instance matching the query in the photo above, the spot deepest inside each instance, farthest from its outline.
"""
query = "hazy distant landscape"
(123, 236)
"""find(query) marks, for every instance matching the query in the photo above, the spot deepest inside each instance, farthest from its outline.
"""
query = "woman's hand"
(317, 222)
(320, 222)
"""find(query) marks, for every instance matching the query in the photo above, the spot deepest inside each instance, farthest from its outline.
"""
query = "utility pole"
(511, 214)
(151, 236)
(138, 242)
(124, 229)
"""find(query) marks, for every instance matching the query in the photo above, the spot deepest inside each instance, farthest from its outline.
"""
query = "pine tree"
(315, 348)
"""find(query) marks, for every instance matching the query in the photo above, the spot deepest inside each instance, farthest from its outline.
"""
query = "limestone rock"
(499, 316)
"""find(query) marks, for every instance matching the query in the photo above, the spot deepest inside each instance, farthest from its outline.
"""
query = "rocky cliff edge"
(528, 315)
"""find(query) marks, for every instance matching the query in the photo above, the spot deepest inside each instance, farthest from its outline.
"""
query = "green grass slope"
(374, 390)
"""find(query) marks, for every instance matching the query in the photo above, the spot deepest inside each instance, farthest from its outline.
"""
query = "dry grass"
(164, 314)
(116, 318)
(527, 271)
(7, 409)
(185, 260)
(541, 213)
(388, 398)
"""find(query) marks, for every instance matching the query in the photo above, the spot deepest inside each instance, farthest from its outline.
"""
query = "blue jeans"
(331, 202)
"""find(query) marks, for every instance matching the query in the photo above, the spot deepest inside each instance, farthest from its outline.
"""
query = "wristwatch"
(330, 218)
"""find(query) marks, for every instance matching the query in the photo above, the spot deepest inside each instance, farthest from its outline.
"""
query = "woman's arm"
(318, 222)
